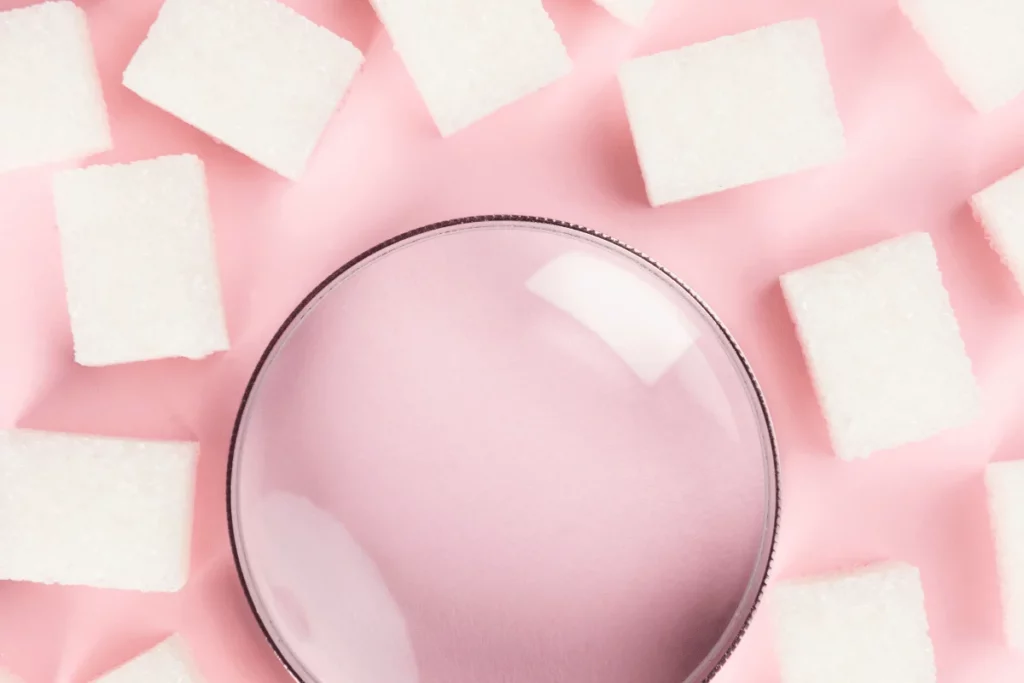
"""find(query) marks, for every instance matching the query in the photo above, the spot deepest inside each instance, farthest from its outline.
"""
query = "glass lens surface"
(500, 452)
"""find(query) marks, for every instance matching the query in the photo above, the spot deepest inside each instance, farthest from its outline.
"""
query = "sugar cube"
(252, 73)
(867, 626)
(139, 261)
(95, 511)
(883, 346)
(979, 42)
(1000, 208)
(168, 662)
(630, 315)
(1005, 483)
(733, 111)
(632, 12)
(51, 103)
(470, 59)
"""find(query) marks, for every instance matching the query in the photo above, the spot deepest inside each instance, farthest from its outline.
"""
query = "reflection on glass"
(357, 629)
(632, 317)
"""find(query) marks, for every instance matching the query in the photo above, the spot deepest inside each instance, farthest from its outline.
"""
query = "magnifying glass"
(502, 450)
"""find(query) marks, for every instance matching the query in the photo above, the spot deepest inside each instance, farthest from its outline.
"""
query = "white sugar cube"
(638, 322)
(470, 59)
(632, 12)
(868, 626)
(251, 73)
(733, 111)
(139, 261)
(1000, 208)
(168, 662)
(883, 346)
(1006, 503)
(94, 511)
(980, 43)
(51, 103)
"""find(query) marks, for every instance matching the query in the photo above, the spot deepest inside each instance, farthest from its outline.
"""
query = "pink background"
(916, 153)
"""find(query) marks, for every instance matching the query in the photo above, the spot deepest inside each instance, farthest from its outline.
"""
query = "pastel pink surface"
(917, 151)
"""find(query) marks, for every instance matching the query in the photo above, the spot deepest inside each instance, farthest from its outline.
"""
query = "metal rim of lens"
(733, 634)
